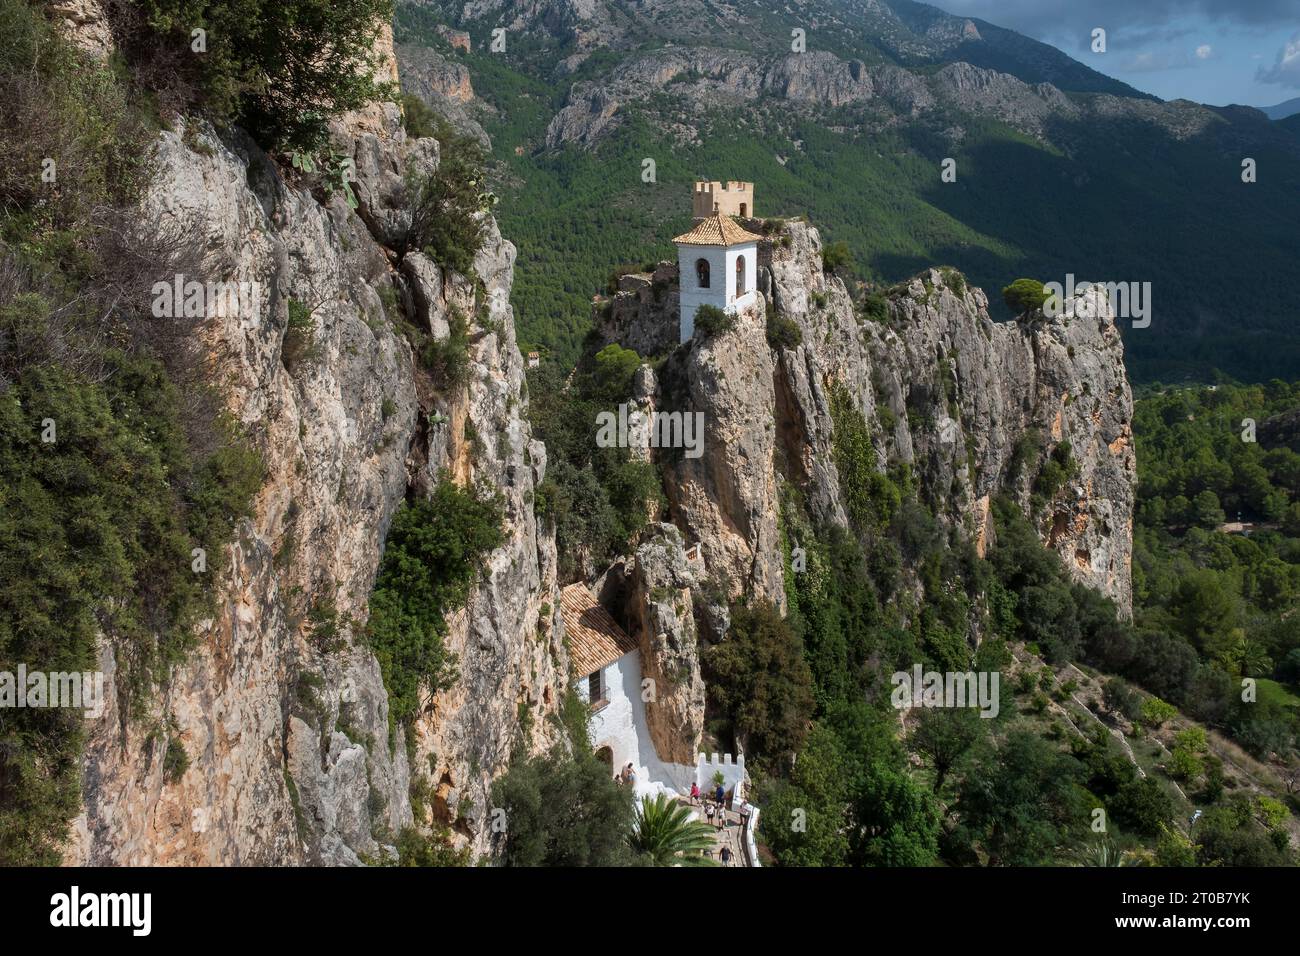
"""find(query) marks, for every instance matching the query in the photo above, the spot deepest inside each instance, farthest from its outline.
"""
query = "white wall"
(733, 773)
(621, 726)
(722, 280)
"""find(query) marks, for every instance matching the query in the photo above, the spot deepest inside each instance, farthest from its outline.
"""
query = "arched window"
(702, 272)
(744, 210)
(740, 275)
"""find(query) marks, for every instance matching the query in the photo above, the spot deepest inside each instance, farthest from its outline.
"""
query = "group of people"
(715, 807)
(715, 804)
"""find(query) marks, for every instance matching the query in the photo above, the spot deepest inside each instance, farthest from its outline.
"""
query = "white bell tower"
(717, 263)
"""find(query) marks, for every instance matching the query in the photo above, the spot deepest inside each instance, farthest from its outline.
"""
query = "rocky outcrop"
(281, 708)
(942, 388)
(86, 24)
(643, 312)
(662, 620)
(728, 498)
(445, 86)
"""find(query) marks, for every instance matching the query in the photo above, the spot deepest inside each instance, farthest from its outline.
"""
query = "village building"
(606, 663)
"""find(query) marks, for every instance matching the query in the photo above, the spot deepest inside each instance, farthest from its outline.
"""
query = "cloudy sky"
(1212, 51)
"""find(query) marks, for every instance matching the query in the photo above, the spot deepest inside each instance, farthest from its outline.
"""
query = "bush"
(1024, 296)
(111, 530)
(564, 808)
(837, 258)
(761, 680)
(57, 103)
(97, 534)
(1058, 468)
(870, 497)
(447, 360)
(1024, 453)
(783, 333)
(418, 118)
(875, 307)
(1184, 765)
(434, 550)
(176, 761)
(280, 68)
(416, 848)
(1156, 712)
(1122, 699)
(447, 205)
(1143, 804)
(710, 321)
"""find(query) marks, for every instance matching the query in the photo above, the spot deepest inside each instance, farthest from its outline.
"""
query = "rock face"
(86, 24)
(688, 84)
(445, 86)
(281, 709)
(728, 499)
(662, 620)
(942, 388)
(644, 312)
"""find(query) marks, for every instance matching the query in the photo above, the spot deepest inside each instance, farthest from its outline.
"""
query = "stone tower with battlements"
(732, 198)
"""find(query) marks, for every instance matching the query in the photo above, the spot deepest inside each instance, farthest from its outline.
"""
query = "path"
(732, 835)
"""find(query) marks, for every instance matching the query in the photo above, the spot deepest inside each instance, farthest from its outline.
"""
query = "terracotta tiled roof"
(595, 639)
(717, 230)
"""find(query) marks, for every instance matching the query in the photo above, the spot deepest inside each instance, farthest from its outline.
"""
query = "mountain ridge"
(1051, 181)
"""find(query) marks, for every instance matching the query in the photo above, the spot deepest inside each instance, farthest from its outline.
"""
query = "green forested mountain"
(1085, 176)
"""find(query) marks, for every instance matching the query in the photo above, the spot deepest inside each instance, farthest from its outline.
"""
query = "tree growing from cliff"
(447, 205)
(1024, 296)
(434, 550)
(837, 258)
(280, 68)
(871, 498)
(710, 322)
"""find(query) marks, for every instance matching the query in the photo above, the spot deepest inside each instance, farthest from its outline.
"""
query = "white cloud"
(1203, 51)
(1286, 70)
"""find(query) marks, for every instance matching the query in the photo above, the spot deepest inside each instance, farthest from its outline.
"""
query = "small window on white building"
(596, 687)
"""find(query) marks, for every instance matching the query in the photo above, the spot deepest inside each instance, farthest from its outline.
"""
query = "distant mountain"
(1282, 110)
(981, 43)
(1060, 169)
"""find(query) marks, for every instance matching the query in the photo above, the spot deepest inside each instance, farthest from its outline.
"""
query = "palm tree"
(665, 832)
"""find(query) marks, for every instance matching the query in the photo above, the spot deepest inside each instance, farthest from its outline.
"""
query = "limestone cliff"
(942, 387)
(281, 709)
(663, 624)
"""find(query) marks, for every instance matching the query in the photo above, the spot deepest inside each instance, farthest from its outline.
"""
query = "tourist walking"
(695, 793)
(726, 856)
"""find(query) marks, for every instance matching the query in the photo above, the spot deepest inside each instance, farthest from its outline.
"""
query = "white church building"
(609, 664)
(717, 261)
